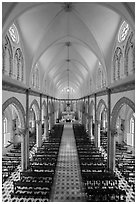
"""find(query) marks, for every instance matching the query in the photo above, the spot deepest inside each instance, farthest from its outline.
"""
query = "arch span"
(116, 109)
(101, 102)
(14, 101)
(37, 109)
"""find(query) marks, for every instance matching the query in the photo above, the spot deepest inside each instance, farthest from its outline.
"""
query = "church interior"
(68, 102)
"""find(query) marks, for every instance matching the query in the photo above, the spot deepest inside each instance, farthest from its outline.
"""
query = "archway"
(13, 120)
(123, 138)
(44, 120)
(102, 124)
(92, 119)
(13, 125)
(34, 118)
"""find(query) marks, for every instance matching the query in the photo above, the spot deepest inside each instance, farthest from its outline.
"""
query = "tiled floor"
(67, 184)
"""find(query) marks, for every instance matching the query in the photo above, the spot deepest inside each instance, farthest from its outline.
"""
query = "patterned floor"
(68, 185)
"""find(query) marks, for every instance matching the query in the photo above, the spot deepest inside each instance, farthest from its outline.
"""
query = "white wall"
(117, 96)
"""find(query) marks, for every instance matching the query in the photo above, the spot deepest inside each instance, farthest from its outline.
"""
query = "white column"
(53, 119)
(47, 128)
(44, 127)
(38, 133)
(98, 132)
(112, 150)
(2, 133)
(22, 152)
(91, 123)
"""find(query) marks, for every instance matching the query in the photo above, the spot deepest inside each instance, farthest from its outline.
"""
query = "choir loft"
(68, 102)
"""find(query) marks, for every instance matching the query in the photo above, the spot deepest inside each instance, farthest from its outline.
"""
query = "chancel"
(68, 102)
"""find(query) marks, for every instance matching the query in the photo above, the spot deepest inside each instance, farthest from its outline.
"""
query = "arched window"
(123, 32)
(7, 57)
(18, 68)
(13, 63)
(117, 64)
(35, 77)
(101, 79)
(13, 32)
(15, 66)
(130, 56)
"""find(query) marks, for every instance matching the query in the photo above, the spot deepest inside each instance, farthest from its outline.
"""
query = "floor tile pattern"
(68, 184)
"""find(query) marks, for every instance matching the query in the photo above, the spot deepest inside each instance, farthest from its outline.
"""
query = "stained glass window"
(14, 33)
(123, 32)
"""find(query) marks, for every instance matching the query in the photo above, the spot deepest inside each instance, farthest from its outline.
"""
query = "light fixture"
(68, 60)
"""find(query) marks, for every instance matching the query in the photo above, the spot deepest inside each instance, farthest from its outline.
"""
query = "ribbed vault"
(67, 41)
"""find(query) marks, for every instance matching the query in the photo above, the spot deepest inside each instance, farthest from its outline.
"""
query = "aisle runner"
(68, 185)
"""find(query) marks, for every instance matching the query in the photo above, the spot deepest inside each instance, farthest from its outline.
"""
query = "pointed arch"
(117, 108)
(99, 107)
(130, 56)
(19, 108)
(37, 109)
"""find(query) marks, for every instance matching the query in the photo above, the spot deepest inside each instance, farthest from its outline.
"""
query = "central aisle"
(67, 185)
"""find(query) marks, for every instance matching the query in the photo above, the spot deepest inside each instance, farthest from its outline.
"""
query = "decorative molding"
(101, 93)
(8, 86)
(123, 87)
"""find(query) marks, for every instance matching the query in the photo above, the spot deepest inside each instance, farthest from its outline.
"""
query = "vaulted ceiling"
(67, 41)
